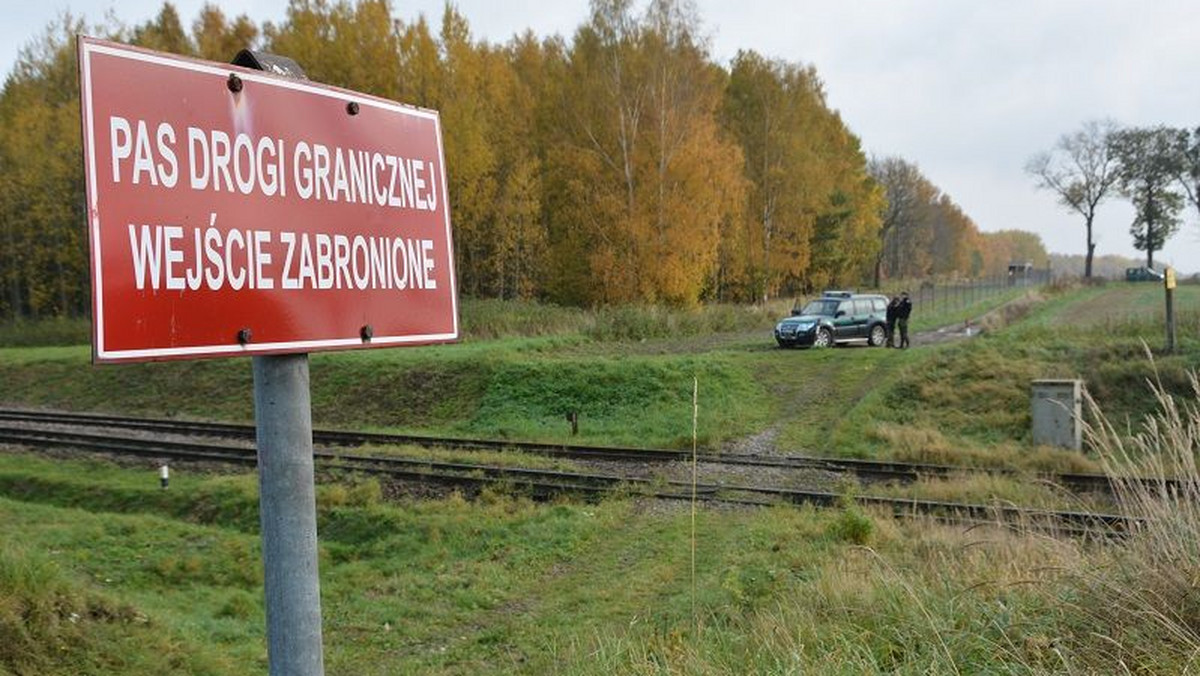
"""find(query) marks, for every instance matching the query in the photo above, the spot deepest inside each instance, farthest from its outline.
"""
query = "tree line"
(1156, 168)
(622, 165)
(923, 233)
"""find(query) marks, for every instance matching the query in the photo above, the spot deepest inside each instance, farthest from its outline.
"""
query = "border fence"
(932, 296)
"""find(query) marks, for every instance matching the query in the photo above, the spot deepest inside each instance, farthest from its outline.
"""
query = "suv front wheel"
(878, 336)
(824, 338)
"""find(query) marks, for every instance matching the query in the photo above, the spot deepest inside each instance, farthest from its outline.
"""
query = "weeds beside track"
(542, 483)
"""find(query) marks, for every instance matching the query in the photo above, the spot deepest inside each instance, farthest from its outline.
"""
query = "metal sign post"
(288, 513)
(241, 210)
(287, 501)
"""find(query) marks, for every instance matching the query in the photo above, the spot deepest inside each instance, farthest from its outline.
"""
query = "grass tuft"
(51, 624)
(490, 319)
(852, 525)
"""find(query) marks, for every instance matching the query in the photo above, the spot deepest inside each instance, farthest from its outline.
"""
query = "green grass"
(970, 401)
(441, 586)
(148, 575)
(47, 332)
(503, 585)
(924, 318)
(436, 587)
(54, 622)
(490, 390)
(964, 402)
(506, 586)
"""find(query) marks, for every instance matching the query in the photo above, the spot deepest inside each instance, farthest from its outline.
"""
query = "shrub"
(851, 524)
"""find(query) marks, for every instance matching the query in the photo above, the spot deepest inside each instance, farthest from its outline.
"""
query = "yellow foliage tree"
(218, 40)
(648, 174)
(812, 213)
(621, 165)
(43, 260)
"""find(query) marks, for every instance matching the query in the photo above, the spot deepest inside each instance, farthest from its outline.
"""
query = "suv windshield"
(824, 307)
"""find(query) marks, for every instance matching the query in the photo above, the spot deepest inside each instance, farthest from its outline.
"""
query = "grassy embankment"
(519, 369)
(102, 572)
(628, 373)
(447, 586)
(545, 361)
(505, 586)
(970, 401)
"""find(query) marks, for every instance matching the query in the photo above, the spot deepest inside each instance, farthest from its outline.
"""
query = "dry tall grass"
(1141, 595)
(921, 598)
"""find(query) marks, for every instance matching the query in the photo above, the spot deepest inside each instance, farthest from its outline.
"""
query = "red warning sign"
(231, 211)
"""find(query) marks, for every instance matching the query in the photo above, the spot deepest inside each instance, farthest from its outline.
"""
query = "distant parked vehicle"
(836, 317)
(1142, 274)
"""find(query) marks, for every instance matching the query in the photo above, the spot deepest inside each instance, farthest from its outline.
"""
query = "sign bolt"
(234, 83)
(366, 332)
(352, 108)
(244, 336)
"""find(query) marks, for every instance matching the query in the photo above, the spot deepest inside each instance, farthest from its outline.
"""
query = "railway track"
(545, 483)
(865, 470)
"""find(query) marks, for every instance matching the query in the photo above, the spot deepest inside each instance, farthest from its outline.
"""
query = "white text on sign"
(147, 153)
(169, 257)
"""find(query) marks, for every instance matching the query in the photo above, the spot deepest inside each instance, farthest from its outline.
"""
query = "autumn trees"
(811, 210)
(644, 177)
(620, 165)
(924, 233)
(43, 247)
(43, 243)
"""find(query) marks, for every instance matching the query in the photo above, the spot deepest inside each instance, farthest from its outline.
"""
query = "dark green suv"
(836, 317)
(1143, 275)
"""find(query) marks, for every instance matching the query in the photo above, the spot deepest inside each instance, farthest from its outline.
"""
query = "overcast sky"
(966, 89)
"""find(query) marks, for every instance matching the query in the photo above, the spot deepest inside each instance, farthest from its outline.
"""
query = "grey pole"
(287, 502)
(288, 513)
(1170, 319)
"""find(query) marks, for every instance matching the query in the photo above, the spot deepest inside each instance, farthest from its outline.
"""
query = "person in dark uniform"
(891, 320)
(903, 310)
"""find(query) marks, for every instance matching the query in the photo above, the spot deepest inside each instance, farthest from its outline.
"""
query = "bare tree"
(908, 194)
(1082, 171)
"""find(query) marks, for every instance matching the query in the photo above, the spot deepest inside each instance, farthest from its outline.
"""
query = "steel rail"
(868, 470)
(551, 482)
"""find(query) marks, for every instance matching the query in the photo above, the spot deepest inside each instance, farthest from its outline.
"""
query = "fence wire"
(932, 297)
